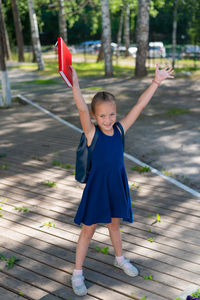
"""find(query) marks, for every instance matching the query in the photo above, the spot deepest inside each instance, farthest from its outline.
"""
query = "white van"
(156, 49)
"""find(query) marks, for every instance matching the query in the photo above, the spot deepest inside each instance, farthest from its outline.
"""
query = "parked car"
(190, 51)
(156, 49)
(132, 50)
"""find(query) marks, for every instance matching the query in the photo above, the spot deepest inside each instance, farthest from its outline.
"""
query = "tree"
(18, 30)
(174, 33)
(119, 34)
(106, 37)
(5, 37)
(5, 99)
(127, 27)
(62, 21)
(142, 35)
(35, 36)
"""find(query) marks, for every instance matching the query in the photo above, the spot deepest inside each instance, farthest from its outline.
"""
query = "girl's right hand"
(74, 77)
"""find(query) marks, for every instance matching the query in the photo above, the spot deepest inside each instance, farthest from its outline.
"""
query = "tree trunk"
(142, 35)
(62, 21)
(100, 56)
(119, 34)
(127, 29)
(106, 38)
(174, 33)
(35, 35)
(6, 43)
(18, 30)
(5, 98)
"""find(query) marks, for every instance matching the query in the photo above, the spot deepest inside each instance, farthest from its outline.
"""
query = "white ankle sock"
(120, 259)
(77, 272)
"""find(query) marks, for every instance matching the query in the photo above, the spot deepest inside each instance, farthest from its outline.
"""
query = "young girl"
(106, 197)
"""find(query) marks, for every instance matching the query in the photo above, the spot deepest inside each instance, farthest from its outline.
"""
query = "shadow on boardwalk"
(31, 142)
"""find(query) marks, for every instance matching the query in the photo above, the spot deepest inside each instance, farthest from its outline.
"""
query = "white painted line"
(48, 113)
(155, 171)
(130, 157)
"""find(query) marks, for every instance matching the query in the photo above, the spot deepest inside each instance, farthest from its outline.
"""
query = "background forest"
(83, 20)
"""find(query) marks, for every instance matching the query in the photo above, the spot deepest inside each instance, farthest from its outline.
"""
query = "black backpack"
(84, 155)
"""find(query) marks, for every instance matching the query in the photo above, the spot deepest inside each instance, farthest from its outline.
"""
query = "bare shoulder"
(89, 135)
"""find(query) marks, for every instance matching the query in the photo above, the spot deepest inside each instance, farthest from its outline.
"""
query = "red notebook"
(64, 62)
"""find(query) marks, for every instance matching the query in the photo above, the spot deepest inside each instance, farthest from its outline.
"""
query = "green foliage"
(2, 155)
(9, 261)
(151, 240)
(22, 208)
(175, 111)
(196, 294)
(148, 277)
(48, 224)
(140, 169)
(4, 166)
(143, 298)
(49, 183)
(158, 218)
(21, 293)
(59, 164)
(2, 257)
(41, 81)
(3, 200)
(103, 250)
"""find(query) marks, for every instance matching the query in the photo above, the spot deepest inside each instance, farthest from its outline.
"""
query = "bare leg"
(83, 243)
(115, 235)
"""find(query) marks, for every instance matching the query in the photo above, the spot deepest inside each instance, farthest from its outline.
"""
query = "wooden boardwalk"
(167, 250)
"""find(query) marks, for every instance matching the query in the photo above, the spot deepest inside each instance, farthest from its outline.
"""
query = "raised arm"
(146, 96)
(87, 125)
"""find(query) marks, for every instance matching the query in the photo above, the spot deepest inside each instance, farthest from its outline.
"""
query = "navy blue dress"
(106, 194)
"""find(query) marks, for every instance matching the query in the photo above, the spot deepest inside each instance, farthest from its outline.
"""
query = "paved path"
(166, 135)
(31, 141)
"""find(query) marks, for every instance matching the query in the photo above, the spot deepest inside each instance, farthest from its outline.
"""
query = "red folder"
(64, 62)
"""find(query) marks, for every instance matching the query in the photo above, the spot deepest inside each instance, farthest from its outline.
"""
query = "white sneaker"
(127, 267)
(78, 285)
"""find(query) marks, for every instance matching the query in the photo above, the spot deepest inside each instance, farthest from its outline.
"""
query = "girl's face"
(105, 115)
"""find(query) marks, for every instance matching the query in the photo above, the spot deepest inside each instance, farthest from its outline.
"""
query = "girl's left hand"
(162, 74)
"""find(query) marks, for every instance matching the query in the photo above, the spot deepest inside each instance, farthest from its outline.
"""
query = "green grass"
(148, 277)
(4, 166)
(141, 170)
(49, 183)
(10, 261)
(102, 250)
(59, 164)
(175, 111)
(22, 208)
(41, 81)
(48, 224)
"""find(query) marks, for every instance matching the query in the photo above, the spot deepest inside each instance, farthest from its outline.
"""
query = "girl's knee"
(115, 225)
(88, 231)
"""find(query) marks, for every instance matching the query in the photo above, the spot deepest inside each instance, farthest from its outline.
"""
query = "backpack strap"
(94, 140)
(122, 130)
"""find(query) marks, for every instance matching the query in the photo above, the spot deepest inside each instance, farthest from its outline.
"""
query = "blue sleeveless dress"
(106, 194)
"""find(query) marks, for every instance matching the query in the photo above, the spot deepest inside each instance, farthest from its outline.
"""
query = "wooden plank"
(128, 235)
(107, 286)
(59, 264)
(169, 268)
(62, 183)
(140, 214)
(9, 282)
(102, 262)
(186, 236)
(6, 294)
